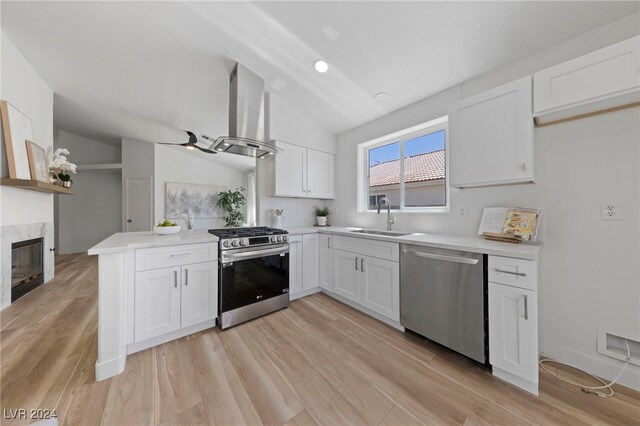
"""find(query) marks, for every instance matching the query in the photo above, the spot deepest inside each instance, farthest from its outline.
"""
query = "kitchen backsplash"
(297, 211)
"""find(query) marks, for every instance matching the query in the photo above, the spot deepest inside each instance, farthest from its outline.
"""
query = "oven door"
(250, 275)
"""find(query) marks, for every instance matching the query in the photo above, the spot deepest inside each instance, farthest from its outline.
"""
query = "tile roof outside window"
(419, 168)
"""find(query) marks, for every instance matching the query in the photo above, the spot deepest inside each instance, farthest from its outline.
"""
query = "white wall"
(178, 165)
(589, 268)
(289, 125)
(23, 88)
(24, 214)
(95, 211)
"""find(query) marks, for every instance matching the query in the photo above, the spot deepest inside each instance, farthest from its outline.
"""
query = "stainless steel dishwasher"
(443, 298)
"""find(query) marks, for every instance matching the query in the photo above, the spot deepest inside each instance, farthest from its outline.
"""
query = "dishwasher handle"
(443, 257)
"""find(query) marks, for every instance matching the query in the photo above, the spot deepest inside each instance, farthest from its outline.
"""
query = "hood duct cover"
(246, 117)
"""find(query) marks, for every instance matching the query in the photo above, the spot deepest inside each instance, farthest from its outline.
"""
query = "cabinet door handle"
(328, 243)
(526, 307)
(175, 278)
(362, 265)
(179, 255)
(502, 271)
(356, 263)
(186, 277)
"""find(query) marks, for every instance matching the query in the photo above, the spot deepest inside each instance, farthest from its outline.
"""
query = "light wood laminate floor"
(316, 362)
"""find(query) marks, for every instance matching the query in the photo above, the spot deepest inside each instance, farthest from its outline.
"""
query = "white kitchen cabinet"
(371, 282)
(381, 286)
(325, 266)
(491, 137)
(303, 172)
(303, 265)
(513, 331)
(295, 265)
(199, 294)
(606, 78)
(320, 174)
(310, 258)
(157, 302)
(346, 275)
(291, 171)
(169, 299)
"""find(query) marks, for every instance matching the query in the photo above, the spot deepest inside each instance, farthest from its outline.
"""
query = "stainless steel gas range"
(253, 273)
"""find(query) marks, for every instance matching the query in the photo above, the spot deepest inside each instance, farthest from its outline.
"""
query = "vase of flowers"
(62, 168)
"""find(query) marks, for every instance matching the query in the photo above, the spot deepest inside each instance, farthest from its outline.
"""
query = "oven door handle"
(253, 254)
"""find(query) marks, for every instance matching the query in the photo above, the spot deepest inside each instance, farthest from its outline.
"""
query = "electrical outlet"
(610, 211)
(461, 211)
(335, 211)
(298, 212)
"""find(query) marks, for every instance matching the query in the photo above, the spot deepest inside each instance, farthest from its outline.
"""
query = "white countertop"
(123, 241)
(475, 244)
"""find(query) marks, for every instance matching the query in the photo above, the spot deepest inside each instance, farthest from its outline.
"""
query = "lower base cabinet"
(168, 299)
(513, 331)
(369, 281)
(303, 265)
(381, 287)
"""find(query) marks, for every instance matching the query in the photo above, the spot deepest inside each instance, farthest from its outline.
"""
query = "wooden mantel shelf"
(36, 185)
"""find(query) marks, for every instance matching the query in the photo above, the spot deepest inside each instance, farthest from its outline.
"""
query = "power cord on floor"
(595, 390)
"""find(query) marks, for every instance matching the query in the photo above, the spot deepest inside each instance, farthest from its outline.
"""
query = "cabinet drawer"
(514, 272)
(162, 257)
(368, 247)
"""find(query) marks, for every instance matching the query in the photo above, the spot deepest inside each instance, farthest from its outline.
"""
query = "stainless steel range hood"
(246, 117)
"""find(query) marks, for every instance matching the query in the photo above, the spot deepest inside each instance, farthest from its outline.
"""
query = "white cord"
(590, 389)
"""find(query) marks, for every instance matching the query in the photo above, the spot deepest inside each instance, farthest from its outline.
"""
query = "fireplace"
(26, 266)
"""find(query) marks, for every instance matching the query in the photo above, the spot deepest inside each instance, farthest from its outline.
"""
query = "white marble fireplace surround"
(12, 233)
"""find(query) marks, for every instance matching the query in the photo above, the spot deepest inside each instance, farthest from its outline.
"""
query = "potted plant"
(232, 202)
(61, 167)
(321, 215)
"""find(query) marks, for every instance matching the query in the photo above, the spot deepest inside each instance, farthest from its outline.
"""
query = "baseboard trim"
(110, 368)
(516, 381)
(600, 365)
(367, 311)
(158, 340)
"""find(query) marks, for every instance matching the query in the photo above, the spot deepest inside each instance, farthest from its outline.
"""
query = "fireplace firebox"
(27, 267)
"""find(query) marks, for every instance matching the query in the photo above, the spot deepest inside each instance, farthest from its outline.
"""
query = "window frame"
(362, 190)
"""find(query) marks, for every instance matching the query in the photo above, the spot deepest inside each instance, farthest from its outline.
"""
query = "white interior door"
(138, 205)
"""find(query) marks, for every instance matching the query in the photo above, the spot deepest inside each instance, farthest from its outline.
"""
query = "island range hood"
(246, 117)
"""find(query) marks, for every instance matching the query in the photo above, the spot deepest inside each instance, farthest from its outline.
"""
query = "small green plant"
(232, 203)
(322, 211)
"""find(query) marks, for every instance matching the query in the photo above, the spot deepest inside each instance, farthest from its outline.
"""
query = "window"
(408, 168)
(375, 199)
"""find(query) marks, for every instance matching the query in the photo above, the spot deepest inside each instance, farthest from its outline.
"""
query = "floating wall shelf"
(36, 185)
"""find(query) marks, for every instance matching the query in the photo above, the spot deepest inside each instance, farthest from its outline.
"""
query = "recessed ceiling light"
(381, 96)
(321, 66)
(270, 153)
(227, 144)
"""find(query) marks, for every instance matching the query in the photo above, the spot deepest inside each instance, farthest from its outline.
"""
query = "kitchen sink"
(385, 233)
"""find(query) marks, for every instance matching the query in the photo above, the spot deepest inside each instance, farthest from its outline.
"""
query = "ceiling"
(146, 70)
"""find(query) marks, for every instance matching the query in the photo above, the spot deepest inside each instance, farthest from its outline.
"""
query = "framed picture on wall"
(37, 162)
(16, 129)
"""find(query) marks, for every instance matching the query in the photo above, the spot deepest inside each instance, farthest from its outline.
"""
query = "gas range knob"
(243, 243)
(279, 239)
(225, 244)
(234, 243)
(285, 238)
(274, 239)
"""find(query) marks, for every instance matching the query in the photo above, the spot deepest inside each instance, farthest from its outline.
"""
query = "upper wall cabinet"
(304, 172)
(491, 137)
(597, 82)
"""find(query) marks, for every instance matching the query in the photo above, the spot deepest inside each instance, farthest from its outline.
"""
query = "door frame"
(125, 204)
